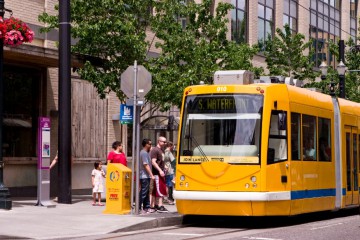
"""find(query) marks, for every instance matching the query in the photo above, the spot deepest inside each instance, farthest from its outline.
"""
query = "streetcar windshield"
(222, 128)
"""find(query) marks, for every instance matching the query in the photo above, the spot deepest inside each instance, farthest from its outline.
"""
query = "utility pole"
(64, 151)
(341, 74)
(5, 201)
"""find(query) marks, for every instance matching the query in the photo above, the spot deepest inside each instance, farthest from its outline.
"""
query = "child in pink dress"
(97, 176)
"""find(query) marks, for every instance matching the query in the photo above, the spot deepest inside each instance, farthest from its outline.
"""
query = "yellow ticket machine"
(118, 189)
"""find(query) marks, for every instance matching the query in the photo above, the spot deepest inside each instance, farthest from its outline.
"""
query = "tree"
(110, 34)
(352, 62)
(285, 55)
(114, 34)
(192, 53)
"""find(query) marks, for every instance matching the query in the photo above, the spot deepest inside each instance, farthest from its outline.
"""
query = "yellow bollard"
(118, 189)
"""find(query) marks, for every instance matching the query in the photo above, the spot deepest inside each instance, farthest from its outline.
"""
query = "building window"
(324, 26)
(239, 21)
(290, 15)
(353, 19)
(265, 20)
(22, 95)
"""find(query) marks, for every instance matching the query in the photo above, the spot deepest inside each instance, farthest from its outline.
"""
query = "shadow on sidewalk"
(31, 201)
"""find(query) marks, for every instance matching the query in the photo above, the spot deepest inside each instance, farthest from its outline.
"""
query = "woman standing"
(117, 155)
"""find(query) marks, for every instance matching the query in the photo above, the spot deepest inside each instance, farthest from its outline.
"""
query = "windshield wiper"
(196, 145)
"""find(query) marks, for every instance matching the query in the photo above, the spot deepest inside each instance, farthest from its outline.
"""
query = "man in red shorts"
(157, 159)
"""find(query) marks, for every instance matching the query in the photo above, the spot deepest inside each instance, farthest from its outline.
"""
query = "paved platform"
(79, 219)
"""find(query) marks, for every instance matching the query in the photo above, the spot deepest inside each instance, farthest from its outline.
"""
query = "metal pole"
(5, 201)
(341, 76)
(64, 152)
(342, 85)
(134, 139)
(138, 110)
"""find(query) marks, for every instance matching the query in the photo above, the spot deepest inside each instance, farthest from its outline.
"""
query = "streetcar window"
(222, 128)
(348, 162)
(359, 150)
(355, 163)
(295, 136)
(282, 120)
(309, 137)
(324, 140)
(277, 137)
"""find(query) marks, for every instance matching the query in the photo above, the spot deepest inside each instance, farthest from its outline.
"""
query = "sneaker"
(162, 209)
(143, 212)
(171, 202)
(150, 210)
(156, 207)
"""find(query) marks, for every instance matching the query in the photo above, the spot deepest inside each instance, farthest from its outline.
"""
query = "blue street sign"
(126, 114)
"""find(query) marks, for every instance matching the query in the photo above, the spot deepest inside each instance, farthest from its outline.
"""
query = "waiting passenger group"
(156, 171)
(156, 176)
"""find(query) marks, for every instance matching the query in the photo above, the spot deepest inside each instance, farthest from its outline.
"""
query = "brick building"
(31, 83)
(321, 20)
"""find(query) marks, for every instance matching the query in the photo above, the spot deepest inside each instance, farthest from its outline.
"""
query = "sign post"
(44, 163)
(136, 83)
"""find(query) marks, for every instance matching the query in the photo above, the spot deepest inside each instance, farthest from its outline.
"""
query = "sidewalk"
(78, 219)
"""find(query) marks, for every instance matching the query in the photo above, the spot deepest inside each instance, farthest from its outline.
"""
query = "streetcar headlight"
(187, 184)
(182, 178)
(253, 179)
(247, 185)
(254, 185)
(181, 184)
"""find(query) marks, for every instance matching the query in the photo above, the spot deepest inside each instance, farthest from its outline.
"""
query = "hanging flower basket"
(15, 32)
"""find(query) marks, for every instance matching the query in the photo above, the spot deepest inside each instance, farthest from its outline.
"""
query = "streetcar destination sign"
(211, 104)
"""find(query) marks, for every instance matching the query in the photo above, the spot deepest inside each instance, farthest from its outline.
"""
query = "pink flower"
(14, 32)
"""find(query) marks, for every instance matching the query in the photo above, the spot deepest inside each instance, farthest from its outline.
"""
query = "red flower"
(14, 32)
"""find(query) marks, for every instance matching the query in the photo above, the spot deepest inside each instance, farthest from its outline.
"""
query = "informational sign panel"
(126, 114)
(44, 163)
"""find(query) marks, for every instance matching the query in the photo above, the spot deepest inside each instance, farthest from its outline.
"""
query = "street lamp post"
(5, 201)
(323, 67)
(341, 68)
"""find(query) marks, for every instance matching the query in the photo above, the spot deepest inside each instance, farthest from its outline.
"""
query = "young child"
(97, 176)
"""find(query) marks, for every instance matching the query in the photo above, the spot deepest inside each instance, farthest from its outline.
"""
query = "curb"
(153, 223)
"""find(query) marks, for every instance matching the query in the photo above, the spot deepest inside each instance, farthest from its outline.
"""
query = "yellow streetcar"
(265, 149)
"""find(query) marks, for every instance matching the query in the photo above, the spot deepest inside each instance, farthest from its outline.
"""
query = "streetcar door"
(351, 161)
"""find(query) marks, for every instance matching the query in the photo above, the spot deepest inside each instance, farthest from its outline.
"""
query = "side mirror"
(282, 121)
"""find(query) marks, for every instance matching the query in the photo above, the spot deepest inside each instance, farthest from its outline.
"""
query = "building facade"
(31, 84)
(31, 91)
(320, 20)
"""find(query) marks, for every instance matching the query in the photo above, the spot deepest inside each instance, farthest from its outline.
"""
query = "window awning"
(14, 122)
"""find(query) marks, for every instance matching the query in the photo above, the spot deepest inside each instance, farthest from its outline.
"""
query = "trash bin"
(118, 189)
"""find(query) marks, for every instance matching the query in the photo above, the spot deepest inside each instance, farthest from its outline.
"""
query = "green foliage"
(352, 62)
(114, 32)
(285, 55)
(352, 79)
(192, 53)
